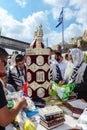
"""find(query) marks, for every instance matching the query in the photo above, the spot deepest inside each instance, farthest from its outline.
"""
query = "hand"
(23, 101)
(61, 83)
(19, 88)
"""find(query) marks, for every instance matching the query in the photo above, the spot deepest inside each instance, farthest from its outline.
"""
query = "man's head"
(66, 57)
(58, 56)
(20, 60)
(70, 56)
(3, 60)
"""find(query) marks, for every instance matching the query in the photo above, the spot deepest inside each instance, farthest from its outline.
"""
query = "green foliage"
(83, 43)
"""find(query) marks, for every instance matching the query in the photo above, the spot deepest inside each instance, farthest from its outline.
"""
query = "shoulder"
(14, 69)
(63, 63)
(10, 87)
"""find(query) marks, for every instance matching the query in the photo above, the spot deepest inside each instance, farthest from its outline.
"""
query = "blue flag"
(60, 19)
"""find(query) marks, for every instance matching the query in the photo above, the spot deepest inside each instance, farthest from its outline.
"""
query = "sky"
(20, 18)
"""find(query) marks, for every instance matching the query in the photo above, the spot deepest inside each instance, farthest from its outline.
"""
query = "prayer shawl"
(55, 73)
(68, 70)
(79, 66)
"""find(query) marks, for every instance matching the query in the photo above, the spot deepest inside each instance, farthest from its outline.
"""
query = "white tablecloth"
(70, 122)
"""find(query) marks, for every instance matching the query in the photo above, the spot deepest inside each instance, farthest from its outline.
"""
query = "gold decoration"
(40, 77)
(29, 92)
(40, 92)
(35, 67)
(35, 85)
(29, 76)
(37, 51)
(40, 60)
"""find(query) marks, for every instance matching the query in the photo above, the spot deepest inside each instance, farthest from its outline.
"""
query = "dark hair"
(3, 53)
(19, 58)
(66, 55)
(50, 48)
(57, 53)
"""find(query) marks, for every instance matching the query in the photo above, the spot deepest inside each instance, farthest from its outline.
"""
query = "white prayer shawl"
(68, 70)
(55, 74)
(79, 66)
(52, 67)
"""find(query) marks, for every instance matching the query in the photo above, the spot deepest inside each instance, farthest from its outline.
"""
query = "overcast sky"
(20, 18)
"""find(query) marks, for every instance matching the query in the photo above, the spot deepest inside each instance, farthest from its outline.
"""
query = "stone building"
(76, 40)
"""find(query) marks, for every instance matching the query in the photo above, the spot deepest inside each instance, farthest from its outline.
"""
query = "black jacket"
(81, 88)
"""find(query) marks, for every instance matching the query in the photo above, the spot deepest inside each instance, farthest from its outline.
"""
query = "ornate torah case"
(38, 68)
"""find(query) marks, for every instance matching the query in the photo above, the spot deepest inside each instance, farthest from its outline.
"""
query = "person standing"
(17, 74)
(78, 74)
(62, 64)
(7, 115)
(55, 72)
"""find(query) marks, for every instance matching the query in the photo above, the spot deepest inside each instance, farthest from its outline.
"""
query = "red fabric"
(33, 75)
(25, 89)
(1, 73)
(34, 44)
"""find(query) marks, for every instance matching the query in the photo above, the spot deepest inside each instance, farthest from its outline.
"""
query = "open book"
(76, 106)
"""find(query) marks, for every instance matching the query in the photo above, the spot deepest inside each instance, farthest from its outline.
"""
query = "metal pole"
(63, 31)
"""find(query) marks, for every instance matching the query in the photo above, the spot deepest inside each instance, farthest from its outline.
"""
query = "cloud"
(74, 16)
(53, 38)
(55, 3)
(22, 30)
(22, 3)
(68, 14)
(77, 4)
(72, 31)
(56, 6)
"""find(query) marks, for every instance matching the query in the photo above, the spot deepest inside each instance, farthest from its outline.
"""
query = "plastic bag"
(53, 91)
(29, 125)
(64, 91)
(22, 122)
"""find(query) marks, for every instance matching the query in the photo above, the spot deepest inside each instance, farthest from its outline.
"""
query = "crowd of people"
(63, 70)
(74, 70)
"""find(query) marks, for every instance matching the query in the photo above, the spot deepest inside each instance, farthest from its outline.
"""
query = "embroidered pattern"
(40, 60)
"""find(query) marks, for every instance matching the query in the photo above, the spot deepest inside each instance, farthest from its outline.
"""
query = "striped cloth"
(55, 73)
(17, 77)
(79, 66)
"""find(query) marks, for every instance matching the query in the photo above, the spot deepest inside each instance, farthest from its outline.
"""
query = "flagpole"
(61, 21)
(63, 30)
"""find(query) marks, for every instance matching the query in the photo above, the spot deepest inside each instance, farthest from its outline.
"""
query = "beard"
(69, 70)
